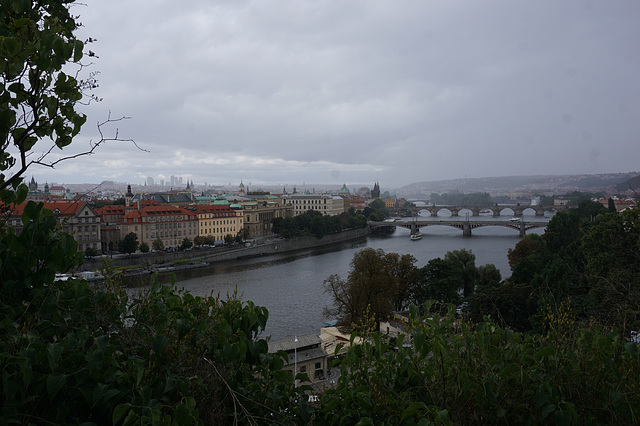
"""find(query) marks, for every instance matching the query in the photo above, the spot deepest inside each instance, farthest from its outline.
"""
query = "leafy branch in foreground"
(444, 372)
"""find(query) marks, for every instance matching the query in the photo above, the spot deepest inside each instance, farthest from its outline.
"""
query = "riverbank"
(146, 263)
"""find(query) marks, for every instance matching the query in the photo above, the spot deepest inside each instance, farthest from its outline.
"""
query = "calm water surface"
(290, 286)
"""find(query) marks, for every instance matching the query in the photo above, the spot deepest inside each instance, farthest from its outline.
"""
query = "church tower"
(375, 192)
(128, 196)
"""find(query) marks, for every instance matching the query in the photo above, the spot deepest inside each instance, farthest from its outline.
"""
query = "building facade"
(76, 218)
(170, 224)
(217, 221)
(328, 205)
(304, 353)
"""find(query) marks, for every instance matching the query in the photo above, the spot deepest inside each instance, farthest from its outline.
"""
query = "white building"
(328, 205)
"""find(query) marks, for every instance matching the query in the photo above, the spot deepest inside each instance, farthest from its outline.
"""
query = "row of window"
(217, 230)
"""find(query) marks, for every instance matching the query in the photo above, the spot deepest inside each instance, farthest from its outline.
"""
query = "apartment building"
(168, 223)
(77, 218)
(328, 205)
(217, 221)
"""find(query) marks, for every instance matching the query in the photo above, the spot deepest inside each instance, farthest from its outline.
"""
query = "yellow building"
(389, 203)
(218, 221)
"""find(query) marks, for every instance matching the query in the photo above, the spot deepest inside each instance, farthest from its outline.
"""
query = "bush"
(70, 353)
(446, 372)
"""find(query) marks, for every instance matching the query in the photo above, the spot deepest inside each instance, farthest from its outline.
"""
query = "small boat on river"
(415, 237)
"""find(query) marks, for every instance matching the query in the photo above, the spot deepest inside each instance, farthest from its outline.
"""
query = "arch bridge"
(466, 226)
(496, 210)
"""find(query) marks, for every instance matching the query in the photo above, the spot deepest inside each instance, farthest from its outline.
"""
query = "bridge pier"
(466, 229)
(523, 232)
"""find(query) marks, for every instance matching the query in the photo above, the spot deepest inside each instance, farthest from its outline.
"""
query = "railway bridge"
(465, 225)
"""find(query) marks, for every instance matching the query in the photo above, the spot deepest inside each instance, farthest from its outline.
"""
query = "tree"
(488, 275)
(612, 253)
(162, 354)
(242, 235)
(499, 376)
(157, 244)
(440, 280)
(38, 95)
(465, 260)
(129, 244)
(378, 282)
(144, 247)
(228, 239)
(90, 252)
(186, 243)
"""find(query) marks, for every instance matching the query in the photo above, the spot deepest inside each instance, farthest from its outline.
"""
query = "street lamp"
(295, 360)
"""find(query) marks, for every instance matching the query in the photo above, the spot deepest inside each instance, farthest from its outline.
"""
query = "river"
(290, 285)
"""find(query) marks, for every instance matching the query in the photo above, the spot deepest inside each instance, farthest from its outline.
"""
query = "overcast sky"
(328, 91)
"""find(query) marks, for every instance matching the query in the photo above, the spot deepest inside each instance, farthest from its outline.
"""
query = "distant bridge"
(465, 225)
(495, 209)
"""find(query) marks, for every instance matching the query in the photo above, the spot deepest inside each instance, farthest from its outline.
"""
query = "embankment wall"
(220, 254)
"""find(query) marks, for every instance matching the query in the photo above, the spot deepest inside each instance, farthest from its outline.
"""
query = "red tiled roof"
(156, 211)
(62, 207)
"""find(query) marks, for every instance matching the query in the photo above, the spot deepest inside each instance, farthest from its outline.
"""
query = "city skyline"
(282, 93)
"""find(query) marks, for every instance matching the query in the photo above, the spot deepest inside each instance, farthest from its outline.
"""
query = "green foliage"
(315, 223)
(450, 279)
(71, 353)
(157, 244)
(440, 280)
(129, 244)
(378, 282)
(488, 275)
(509, 304)
(465, 262)
(586, 255)
(577, 197)
(144, 247)
(186, 243)
(612, 254)
(443, 372)
(37, 98)
(90, 252)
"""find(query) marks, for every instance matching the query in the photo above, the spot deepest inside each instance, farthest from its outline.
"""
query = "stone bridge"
(465, 225)
(495, 209)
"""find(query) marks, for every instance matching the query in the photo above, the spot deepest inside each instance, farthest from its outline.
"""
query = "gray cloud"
(357, 91)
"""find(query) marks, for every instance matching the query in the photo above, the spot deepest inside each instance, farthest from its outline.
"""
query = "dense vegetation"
(315, 223)
(587, 258)
(447, 372)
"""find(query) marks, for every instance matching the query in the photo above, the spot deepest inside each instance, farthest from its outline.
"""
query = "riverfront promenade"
(146, 262)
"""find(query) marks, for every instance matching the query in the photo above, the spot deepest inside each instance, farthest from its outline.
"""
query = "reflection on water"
(290, 286)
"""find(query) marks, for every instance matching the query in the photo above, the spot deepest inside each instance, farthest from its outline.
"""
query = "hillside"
(609, 182)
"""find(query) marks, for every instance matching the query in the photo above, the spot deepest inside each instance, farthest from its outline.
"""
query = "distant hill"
(632, 184)
(610, 183)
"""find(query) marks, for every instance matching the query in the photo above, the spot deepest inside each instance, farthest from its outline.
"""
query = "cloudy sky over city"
(326, 91)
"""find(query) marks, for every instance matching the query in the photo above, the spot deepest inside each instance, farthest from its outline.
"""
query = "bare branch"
(93, 145)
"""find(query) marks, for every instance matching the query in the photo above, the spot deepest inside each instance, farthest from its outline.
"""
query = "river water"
(290, 285)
